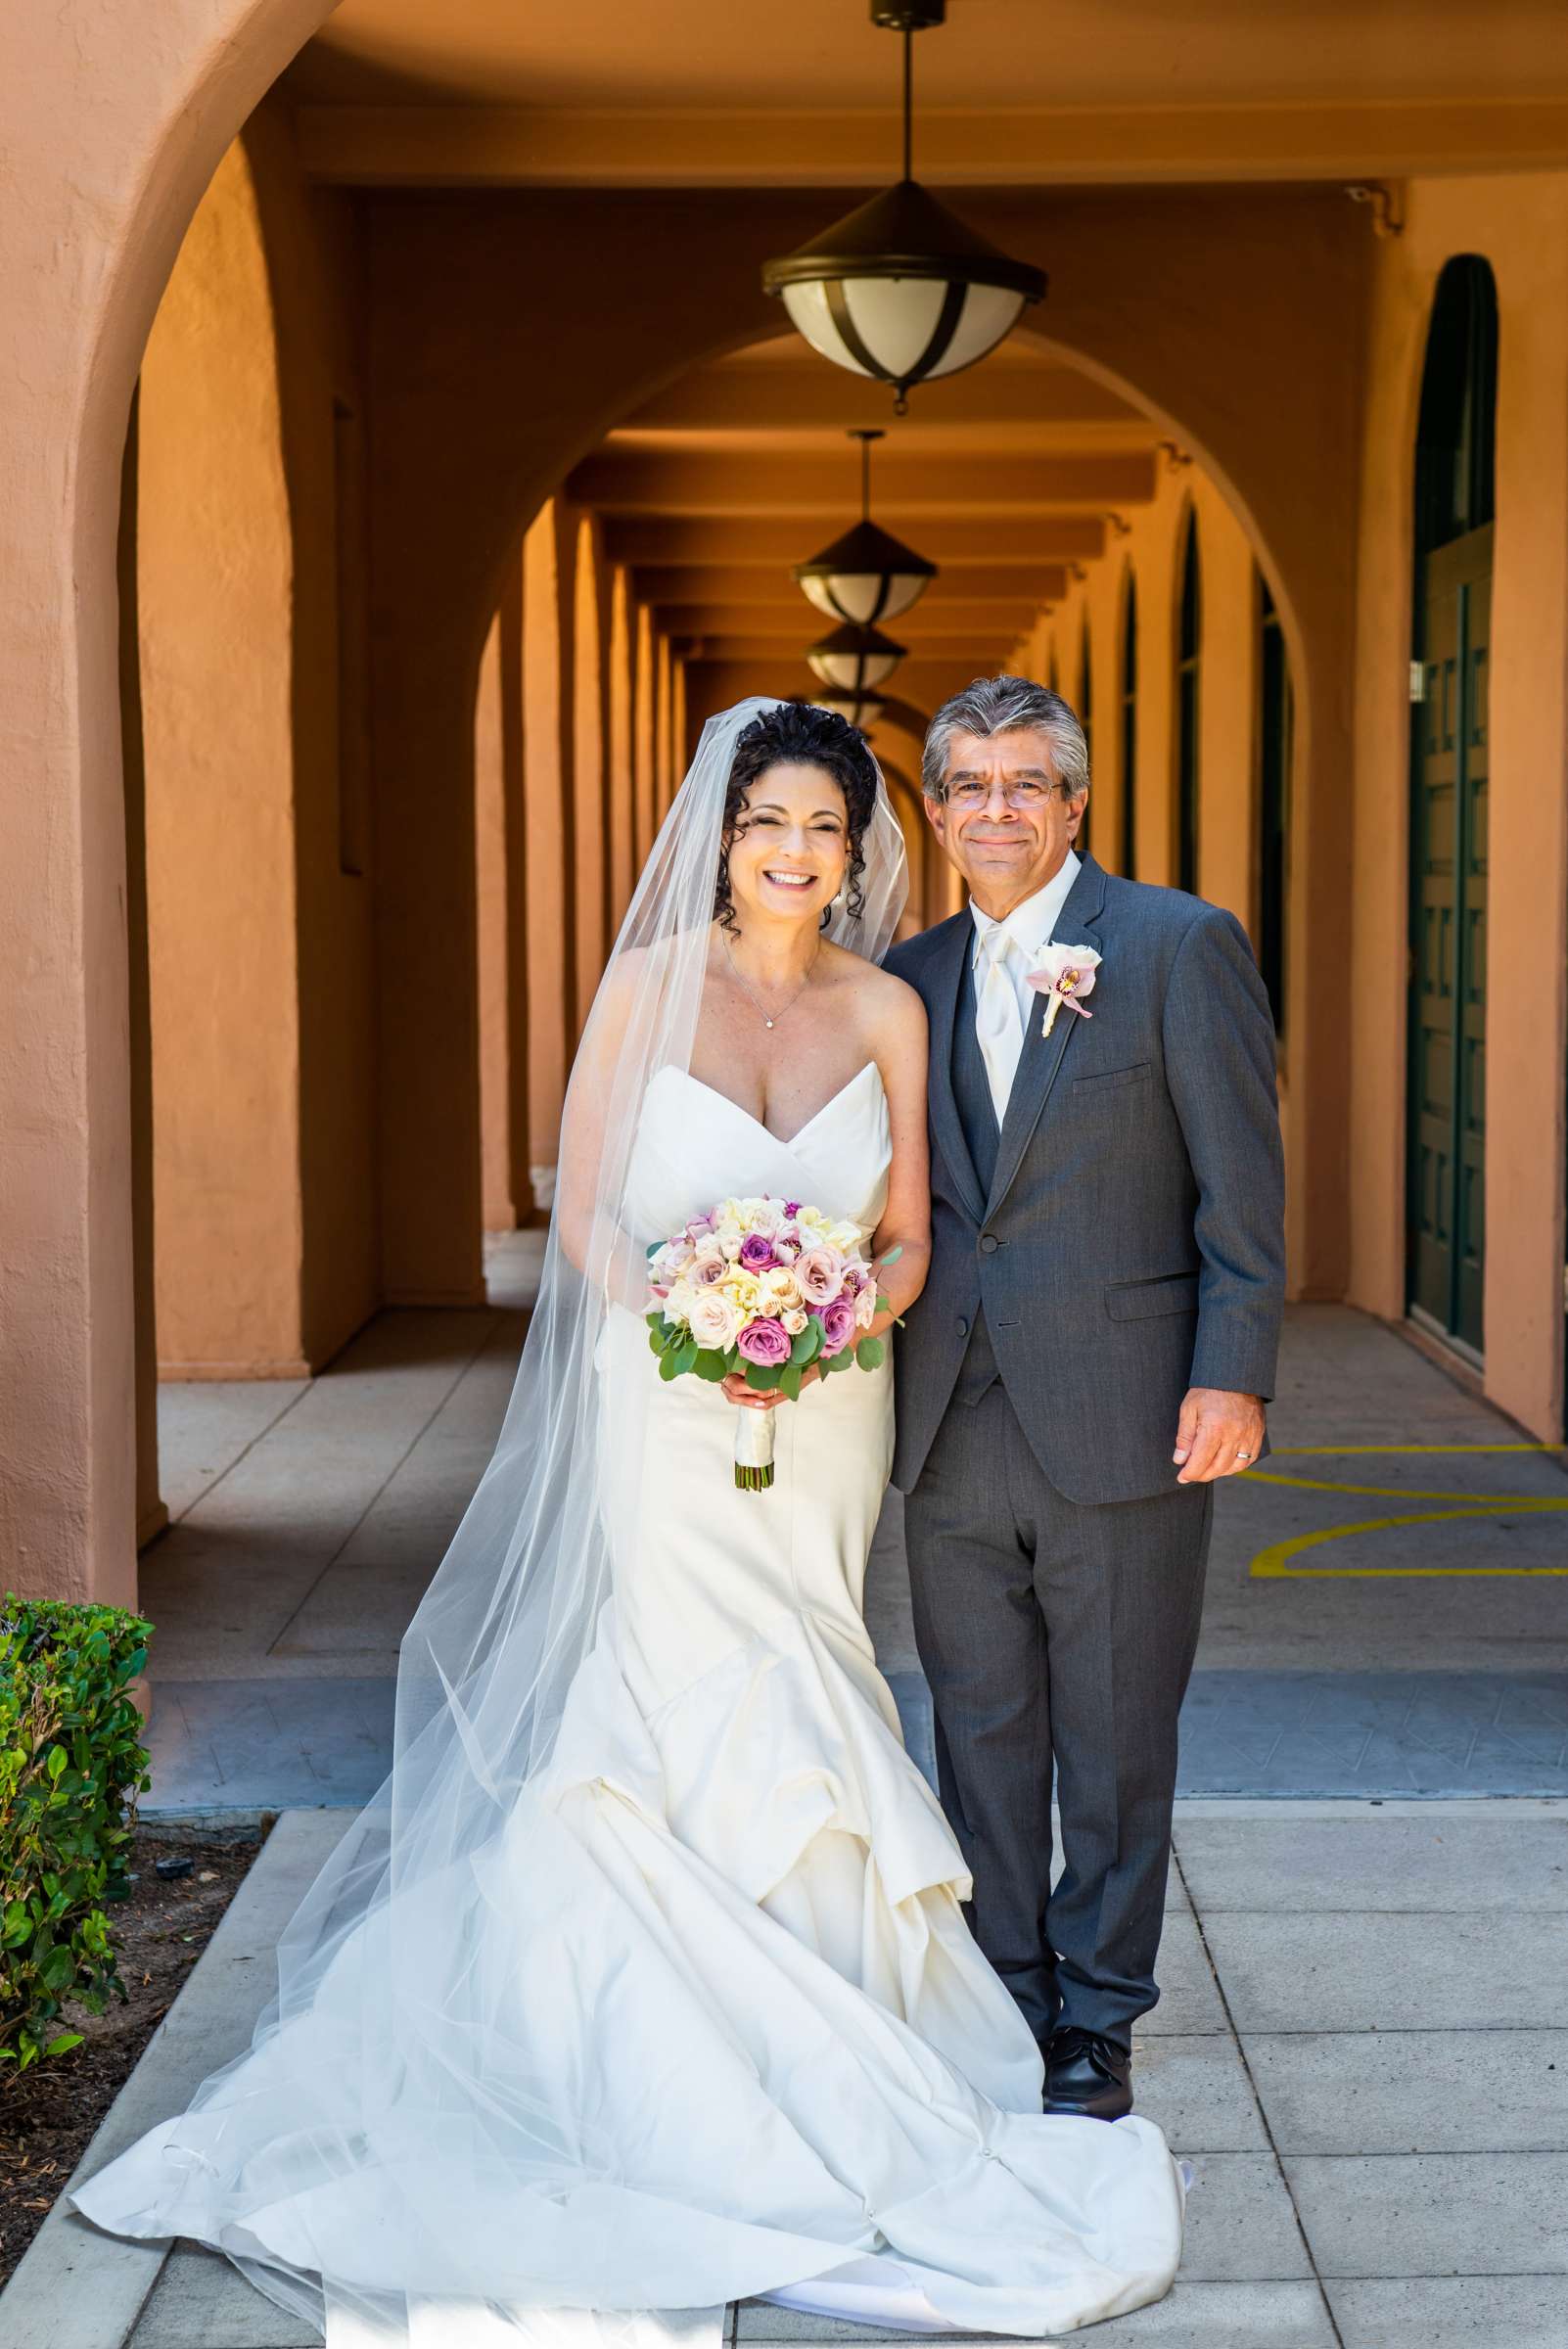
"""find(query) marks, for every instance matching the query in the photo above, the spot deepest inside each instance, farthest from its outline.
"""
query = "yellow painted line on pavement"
(1272, 1564)
(1275, 1563)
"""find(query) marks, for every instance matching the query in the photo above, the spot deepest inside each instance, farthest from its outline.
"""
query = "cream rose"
(714, 1320)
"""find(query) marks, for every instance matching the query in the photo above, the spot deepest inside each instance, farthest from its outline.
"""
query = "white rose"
(677, 1305)
(865, 1306)
(714, 1320)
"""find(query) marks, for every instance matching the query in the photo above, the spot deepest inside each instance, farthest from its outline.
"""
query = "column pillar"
(645, 736)
(590, 764)
(621, 804)
(549, 694)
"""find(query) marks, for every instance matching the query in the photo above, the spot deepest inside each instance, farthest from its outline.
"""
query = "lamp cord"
(908, 102)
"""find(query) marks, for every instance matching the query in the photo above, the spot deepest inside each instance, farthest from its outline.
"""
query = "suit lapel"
(946, 987)
(1043, 1054)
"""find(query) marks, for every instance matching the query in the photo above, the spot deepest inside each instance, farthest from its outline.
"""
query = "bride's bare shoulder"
(882, 1003)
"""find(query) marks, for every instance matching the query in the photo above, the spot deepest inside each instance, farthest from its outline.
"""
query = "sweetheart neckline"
(816, 1115)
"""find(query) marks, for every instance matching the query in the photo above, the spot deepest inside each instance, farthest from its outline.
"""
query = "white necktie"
(998, 1022)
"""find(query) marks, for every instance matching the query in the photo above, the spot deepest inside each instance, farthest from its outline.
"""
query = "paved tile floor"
(1361, 2048)
(1387, 1607)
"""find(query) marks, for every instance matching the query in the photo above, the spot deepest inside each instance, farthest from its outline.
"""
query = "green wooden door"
(1448, 943)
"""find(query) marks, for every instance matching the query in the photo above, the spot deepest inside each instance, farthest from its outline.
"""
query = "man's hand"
(1218, 1434)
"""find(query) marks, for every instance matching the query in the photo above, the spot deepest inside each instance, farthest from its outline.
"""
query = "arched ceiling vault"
(1004, 477)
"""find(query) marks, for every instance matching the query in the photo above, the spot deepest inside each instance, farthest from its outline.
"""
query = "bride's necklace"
(770, 1019)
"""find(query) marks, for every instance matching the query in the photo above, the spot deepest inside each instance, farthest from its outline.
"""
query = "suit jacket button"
(964, 1327)
(988, 1243)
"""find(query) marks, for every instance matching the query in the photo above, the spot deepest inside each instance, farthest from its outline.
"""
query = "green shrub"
(72, 1765)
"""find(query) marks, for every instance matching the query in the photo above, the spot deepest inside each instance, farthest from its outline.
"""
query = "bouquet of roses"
(767, 1287)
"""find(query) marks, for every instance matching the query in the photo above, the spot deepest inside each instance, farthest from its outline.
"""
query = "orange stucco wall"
(259, 938)
(1520, 226)
(216, 565)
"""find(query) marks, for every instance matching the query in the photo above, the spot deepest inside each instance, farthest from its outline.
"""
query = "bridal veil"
(440, 2081)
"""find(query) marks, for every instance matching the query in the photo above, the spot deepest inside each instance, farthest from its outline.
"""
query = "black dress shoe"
(1088, 2075)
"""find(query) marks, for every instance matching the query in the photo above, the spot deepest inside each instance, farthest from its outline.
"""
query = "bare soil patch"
(49, 2113)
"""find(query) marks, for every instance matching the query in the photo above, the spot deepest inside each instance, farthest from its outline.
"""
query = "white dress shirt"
(1009, 950)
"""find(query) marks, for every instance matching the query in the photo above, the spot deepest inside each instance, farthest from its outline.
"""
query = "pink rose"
(838, 1326)
(765, 1342)
(865, 1306)
(821, 1273)
(757, 1254)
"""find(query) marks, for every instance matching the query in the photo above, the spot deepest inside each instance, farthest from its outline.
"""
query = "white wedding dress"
(719, 1938)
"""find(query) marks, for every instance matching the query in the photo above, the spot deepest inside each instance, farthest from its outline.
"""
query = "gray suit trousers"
(1056, 1634)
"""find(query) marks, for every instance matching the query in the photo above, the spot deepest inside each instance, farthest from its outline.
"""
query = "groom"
(1093, 1347)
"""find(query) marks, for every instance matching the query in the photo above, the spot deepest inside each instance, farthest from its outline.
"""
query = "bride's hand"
(760, 1399)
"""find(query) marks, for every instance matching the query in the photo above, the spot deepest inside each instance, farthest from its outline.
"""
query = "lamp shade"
(901, 290)
(865, 577)
(860, 708)
(854, 660)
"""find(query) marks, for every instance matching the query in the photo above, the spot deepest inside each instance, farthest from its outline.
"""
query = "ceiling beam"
(807, 396)
(979, 651)
(1026, 584)
(1007, 484)
(799, 623)
(514, 146)
(775, 543)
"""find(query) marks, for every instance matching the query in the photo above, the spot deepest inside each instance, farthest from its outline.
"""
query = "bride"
(643, 1984)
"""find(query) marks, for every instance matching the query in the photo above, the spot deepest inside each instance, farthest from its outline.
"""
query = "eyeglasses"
(1022, 798)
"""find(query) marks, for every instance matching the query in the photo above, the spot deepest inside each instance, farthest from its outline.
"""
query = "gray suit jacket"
(1133, 1244)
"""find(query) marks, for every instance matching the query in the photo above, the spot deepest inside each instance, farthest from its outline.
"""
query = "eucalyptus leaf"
(789, 1381)
(870, 1353)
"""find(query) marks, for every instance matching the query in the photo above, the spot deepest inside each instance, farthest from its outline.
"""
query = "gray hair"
(1006, 706)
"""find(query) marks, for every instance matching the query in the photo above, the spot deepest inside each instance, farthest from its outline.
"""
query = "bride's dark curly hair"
(800, 734)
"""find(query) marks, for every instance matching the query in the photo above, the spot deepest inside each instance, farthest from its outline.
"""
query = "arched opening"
(1450, 648)
(1128, 731)
(1189, 630)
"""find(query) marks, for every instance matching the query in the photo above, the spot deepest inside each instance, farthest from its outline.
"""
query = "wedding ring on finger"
(1244, 1456)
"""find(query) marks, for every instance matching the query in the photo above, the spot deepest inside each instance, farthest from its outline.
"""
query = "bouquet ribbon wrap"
(754, 1449)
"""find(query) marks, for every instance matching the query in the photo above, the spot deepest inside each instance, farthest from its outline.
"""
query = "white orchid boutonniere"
(1066, 975)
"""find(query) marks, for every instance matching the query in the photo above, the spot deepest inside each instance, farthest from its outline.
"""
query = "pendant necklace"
(769, 1019)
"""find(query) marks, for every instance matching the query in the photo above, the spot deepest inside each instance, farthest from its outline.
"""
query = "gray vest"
(976, 1115)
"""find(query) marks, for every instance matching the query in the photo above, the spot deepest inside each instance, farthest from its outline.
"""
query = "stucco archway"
(112, 131)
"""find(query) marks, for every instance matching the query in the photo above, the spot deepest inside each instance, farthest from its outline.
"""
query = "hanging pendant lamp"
(855, 660)
(861, 709)
(900, 289)
(867, 574)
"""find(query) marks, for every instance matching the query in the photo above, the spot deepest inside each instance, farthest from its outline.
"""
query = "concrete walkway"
(1362, 2047)
(1387, 1608)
